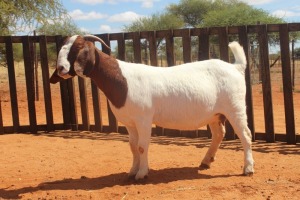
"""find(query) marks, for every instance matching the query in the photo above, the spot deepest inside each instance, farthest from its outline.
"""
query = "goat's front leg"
(133, 142)
(144, 134)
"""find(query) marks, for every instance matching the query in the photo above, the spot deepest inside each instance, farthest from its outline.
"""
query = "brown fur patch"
(109, 78)
(141, 150)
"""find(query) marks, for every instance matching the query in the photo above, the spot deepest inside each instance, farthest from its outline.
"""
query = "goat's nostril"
(60, 69)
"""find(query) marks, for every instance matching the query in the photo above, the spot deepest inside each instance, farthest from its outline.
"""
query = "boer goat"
(183, 97)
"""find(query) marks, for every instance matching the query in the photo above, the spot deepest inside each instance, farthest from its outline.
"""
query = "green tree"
(209, 13)
(16, 15)
(46, 17)
(158, 21)
(64, 26)
(239, 14)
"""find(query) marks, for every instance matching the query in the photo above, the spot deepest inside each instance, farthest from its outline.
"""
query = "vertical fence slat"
(96, 107)
(29, 72)
(224, 55)
(84, 104)
(152, 48)
(12, 83)
(170, 48)
(266, 82)
(243, 39)
(137, 47)
(186, 45)
(72, 104)
(287, 84)
(63, 91)
(203, 34)
(46, 83)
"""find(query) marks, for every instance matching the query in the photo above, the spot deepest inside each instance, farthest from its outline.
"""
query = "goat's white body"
(182, 97)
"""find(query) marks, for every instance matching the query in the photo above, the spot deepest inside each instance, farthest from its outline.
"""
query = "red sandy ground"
(85, 165)
(68, 165)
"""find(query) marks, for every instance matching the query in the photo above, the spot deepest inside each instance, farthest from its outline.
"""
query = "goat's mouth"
(62, 72)
(65, 73)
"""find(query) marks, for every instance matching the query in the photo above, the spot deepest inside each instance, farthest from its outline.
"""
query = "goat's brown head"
(76, 57)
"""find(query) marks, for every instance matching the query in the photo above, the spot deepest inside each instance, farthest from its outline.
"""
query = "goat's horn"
(95, 38)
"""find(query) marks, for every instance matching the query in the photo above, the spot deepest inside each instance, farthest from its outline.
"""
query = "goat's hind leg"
(218, 131)
(239, 124)
(133, 142)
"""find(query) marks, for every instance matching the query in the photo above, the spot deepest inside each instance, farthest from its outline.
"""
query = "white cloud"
(147, 4)
(124, 17)
(144, 3)
(257, 2)
(105, 29)
(285, 13)
(94, 2)
(79, 15)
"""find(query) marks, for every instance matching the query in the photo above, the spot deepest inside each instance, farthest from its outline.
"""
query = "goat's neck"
(108, 76)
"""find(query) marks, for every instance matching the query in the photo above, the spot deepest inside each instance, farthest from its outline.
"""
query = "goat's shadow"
(84, 183)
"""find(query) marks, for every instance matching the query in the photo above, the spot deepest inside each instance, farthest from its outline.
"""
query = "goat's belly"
(183, 120)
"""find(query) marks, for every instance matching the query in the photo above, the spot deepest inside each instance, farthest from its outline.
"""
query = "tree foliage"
(46, 17)
(59, 27)
(158, 21)
(16, 15)
(208, 13)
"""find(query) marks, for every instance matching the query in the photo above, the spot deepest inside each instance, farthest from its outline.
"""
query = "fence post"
(287, 84)
(262, 35)
(29, 83)
(243, 39)
(46, 83)
(12, 83)
(84, 104)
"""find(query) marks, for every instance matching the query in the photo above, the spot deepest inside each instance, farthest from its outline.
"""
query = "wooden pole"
(37, 96)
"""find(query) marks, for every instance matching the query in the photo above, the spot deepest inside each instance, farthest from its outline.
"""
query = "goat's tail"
(239, 55)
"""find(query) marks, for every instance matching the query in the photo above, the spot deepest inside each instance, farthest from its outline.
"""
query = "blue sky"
(109, 16)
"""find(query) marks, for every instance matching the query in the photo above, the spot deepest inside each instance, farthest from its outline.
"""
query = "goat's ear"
(85, 60)
(55, 78)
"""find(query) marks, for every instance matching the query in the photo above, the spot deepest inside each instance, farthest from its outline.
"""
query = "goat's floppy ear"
(85, 60)
(55, 78)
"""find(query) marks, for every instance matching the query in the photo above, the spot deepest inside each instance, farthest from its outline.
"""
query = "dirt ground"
(85, 165)
(72, 165)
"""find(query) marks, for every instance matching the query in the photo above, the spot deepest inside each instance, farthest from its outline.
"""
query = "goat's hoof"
(204, 166)
(248, 171)
(141, 175)
(249, 174)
